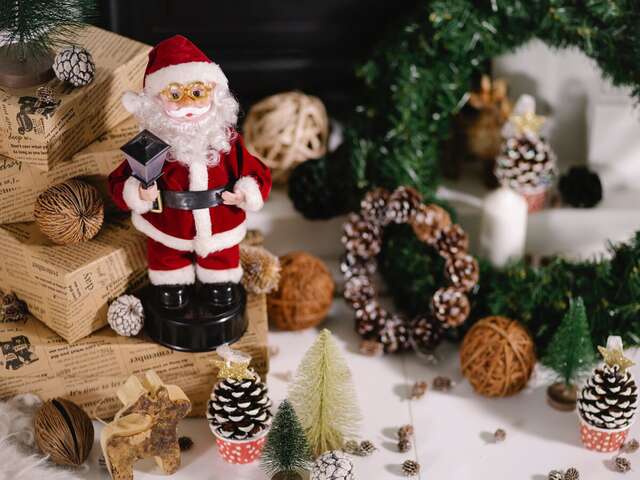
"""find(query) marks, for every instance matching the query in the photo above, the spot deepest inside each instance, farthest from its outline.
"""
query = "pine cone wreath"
(426, 333)
(609, 398)
(361, 237)
(12, 309)
(333, 465)
(410, 468)
(427, 222)
(373, 206)
(239, 409)
(572, 474)
(74, 65)
(462, 271)
(402, 204)
(623, 465)
(126, 315)
(450, 306)
(452, 241)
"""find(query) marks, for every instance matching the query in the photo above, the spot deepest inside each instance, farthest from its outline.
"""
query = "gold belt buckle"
(157, 204)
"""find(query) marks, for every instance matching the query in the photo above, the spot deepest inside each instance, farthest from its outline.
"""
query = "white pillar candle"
(504, 226)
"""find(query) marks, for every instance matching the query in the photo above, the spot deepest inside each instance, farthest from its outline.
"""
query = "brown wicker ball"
(69, 212)
(304, 294)
(497, 357)
(287, 129)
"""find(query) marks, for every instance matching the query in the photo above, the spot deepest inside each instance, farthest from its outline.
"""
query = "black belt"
(189, 200)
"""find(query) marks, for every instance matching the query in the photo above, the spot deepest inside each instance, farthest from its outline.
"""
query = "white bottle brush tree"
(324, 396)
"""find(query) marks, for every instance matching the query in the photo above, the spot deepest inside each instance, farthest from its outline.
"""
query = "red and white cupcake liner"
(240, 451)
(536, 200)
(600, 439)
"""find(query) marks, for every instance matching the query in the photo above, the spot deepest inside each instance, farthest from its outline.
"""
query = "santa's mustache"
(186, 112)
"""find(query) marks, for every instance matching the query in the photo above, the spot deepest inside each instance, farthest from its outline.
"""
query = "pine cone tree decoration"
(426, 333)
(462, 271)
(361, 237)
(452, 241)
(74, 65)
(239, 409)
(402, 204)
(428, 220)
(450, 306)
(410, 468)
(12, 309)
(610, 398)
(126, 315)
(333, 465)
(374, 206)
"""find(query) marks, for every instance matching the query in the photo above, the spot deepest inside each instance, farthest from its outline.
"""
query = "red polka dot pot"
(600, 439)
(240, 451)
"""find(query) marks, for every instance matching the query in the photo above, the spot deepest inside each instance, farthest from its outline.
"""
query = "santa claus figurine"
(194, 215)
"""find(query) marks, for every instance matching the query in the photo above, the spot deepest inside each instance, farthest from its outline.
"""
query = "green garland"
(418, 76)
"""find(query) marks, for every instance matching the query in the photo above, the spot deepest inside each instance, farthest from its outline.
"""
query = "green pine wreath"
(418, 77)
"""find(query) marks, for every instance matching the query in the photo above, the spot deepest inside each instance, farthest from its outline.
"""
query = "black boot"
(173, 297)
(220, 294)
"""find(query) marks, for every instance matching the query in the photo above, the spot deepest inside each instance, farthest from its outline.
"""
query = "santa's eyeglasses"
(175, 92)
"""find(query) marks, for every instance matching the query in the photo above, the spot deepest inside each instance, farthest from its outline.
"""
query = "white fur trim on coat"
(203, 246)
(184, 73)
(253, 198)
(180, 276)
(198, 181)
(131, 196)
(206, 275)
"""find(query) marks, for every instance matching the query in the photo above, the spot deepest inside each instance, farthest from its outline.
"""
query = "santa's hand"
(233, 198)
(148, 194)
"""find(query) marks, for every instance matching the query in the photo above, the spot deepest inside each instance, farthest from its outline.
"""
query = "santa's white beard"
(203, 138)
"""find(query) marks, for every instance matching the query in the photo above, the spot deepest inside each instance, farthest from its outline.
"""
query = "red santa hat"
(176, 59)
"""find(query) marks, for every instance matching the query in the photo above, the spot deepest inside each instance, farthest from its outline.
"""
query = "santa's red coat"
(203, 231)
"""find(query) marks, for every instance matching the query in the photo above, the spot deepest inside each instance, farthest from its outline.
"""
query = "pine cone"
(405, 431)
(555, 475)
(333, 465)
(418, 390)
(402, 204)
(359, 291)
(352, 447)
(361, 237)
(12, 309)
(572, 474)
(426, 333)
(126, 315)
(351, 266)
(367, 447)
(623, 465)
(410, 468)
(369, 319)
(609, 399)
(394, 335)
(442, 384)
(404, 445)
(631, 446)
(239, 409)
(371, 348)
(74, 65)
(450, 306)
(526, 163)
(428, 220)
(452, 241)
(373, 206)
(462, 271)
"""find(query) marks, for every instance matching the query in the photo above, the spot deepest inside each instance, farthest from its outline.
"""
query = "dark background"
(267, 46)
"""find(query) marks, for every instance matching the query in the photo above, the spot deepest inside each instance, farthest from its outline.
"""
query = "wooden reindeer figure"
(145, 427)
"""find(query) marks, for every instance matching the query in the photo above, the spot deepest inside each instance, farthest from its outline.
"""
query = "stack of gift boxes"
(64, 348)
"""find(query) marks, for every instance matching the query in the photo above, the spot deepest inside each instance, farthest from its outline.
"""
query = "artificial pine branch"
(324, 396)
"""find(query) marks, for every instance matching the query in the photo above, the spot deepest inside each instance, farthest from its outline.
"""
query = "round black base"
(199, 327)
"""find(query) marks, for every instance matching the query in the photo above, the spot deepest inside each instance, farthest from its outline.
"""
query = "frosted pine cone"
(609, 399)
(402, 204)
(428, 220)
(352, 265)
(361, 237)
(359, 291)
(450, 306)
(410, 468)
(462, 271)
(126, 316)
(373, 206)
(452, 241)
(426, 333)
(239, 409)
(394, 335)
(333, 465)
(74, 65)
(12, 309)
(369, 319)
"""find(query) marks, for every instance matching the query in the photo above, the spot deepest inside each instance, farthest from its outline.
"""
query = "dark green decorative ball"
(580, 187)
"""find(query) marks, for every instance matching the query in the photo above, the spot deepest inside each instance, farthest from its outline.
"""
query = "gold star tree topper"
(613, 354)
(524, 118)
(233, 364)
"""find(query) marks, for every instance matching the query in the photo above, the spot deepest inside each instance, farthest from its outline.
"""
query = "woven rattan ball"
(497, 357)
(70, 212)
(304, 294)
(285, 130)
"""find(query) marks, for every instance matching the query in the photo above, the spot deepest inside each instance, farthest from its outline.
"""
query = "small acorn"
(64, 432)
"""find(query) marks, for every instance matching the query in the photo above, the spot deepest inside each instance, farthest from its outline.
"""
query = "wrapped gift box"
(43, 135)
(34, 359)
(68, 287)
(21, 183)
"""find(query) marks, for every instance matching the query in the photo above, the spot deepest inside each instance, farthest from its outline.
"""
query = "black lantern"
(146, 155)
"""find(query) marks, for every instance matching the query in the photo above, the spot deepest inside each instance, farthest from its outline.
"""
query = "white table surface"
(452, 430)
